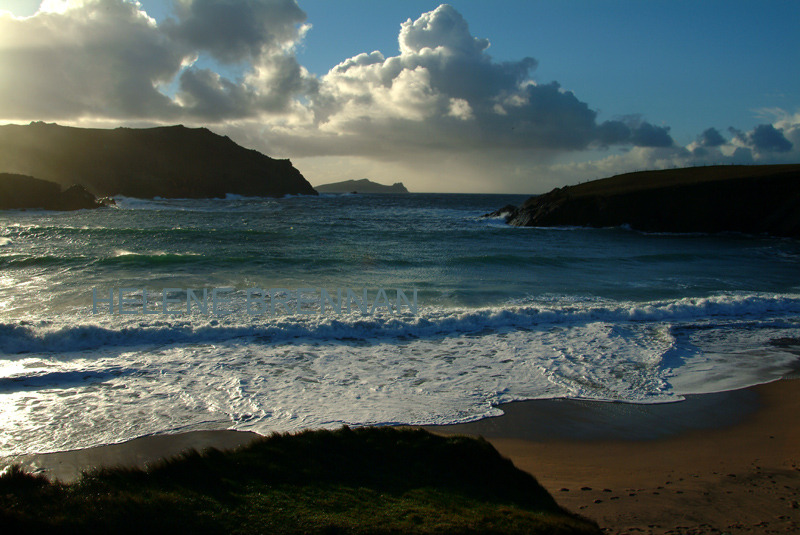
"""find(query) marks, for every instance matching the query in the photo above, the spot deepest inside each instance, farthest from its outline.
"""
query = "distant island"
(170, 162)
(751, 199)
(361, 186)
(22, 192)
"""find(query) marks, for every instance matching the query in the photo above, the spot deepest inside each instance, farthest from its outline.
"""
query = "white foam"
(94, 380)
(72, 335)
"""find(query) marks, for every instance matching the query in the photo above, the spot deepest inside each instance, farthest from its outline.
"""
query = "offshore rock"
(361, 186)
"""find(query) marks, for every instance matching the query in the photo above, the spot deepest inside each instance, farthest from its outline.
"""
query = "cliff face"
(172, 162)
(361, 186)
(20, 191)
(751, 199)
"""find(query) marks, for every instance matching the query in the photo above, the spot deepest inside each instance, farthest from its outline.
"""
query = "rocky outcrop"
(361, 186)
(170, 162)
(749, 199)
(505, 212)
(22, 192)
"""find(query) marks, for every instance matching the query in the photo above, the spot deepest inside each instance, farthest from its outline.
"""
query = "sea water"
(502, 314)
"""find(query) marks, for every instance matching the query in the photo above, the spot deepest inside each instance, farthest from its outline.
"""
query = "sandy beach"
(716, 463)
(740, 476)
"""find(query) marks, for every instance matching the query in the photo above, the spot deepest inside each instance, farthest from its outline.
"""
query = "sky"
(510, 96)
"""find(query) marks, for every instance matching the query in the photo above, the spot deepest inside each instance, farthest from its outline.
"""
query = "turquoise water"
(503, 314)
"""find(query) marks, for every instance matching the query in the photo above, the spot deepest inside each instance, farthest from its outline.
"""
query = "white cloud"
(443, 29)
(461, 109)
(77, 59)
(97, 57)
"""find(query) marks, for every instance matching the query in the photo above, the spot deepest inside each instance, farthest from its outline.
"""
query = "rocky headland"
(761, 199)
(169, 162)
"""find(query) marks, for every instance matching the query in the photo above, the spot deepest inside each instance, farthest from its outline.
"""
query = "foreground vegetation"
(370, 480)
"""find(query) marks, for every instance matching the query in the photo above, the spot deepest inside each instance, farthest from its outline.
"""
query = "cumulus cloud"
(101, 57)
(444, 28)
(633, 130)
(271, 86)
(647, 135)
(710, 138)
(236, 31)
(766, 138)
(766, 141)
(444, 93)
(77, 59)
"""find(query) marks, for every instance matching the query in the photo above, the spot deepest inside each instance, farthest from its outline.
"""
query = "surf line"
(254, 301)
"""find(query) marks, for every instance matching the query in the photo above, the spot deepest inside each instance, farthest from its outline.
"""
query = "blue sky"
(670, 69)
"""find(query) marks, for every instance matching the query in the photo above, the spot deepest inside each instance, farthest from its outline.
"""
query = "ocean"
(491, 314)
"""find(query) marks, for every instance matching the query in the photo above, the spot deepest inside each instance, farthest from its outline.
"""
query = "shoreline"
(567, 419)
(713, 463)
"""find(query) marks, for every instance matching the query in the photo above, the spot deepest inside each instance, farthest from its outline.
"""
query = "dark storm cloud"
(634, 131)
(766, 138)
(612, 133)
(648, 135)
(710, 138)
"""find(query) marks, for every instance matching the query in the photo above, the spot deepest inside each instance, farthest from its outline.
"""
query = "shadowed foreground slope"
(370, 480)
(751, 199)
(171, 161)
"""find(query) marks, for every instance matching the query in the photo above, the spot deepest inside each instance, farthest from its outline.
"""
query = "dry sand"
(741, 477)
(719, 463)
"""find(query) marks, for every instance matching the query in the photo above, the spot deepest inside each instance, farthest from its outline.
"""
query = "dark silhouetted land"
(170, 162)
(361, 186)
(750, 199)
(21, 191)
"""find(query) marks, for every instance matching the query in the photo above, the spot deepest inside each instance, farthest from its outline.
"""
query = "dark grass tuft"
(366, 480)
(16, 479)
